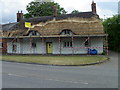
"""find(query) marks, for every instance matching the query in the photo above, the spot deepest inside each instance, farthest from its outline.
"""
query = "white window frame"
(87, 43)
(34, 45)
(67, 32)
(68, 44)
(14, 47)
(34, 33)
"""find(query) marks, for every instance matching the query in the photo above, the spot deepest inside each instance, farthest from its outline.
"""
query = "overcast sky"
(9, 8)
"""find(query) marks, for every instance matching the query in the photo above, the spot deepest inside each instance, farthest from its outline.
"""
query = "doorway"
(49, 47)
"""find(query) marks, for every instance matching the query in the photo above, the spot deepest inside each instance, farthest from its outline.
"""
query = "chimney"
(93, 6)
(54, 11)
(19, 16)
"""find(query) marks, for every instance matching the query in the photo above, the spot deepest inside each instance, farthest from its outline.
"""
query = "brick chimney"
(19, 16)
(54, 11)
(93, 6)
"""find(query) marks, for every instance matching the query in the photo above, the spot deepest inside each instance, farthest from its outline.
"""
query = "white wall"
(10, 47)
(23, 46)
(79, 42)
(27, 49)
(97, 42)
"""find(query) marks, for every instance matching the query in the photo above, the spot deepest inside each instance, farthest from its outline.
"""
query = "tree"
(102, 20)
(37, 9)
(74, 12)
(112, 27)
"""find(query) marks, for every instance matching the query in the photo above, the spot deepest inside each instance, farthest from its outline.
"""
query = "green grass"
(54, 60)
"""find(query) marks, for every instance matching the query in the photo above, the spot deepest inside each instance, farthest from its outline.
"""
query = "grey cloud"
(9, 10)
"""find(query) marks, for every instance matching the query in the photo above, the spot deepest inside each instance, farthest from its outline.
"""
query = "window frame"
(68, 44)
(33, 33)
(66, 32)
(87, 43)
(14, 47)
(33, 45)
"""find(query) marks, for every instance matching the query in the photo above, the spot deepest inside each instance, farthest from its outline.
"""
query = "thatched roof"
(76, 26)
(61, 17)
(85, 23)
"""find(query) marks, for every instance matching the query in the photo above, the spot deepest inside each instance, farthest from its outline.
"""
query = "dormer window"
(66, 32)
(34, 33)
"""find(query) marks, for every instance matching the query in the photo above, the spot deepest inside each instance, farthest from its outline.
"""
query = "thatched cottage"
(63, 34)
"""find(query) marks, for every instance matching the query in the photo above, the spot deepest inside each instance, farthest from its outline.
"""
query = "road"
(20, 75)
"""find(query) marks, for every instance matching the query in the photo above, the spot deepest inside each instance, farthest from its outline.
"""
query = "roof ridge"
(62, 15)
(88, 14)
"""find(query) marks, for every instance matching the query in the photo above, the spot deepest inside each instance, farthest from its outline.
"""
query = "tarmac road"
(20, 75)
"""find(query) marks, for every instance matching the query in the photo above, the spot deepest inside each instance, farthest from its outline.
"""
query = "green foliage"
(112, 27)
(74, 12)
(103, 53)
(101, 19)
(37, 9)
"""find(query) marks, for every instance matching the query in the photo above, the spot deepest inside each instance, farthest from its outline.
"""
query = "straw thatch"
(79, 26)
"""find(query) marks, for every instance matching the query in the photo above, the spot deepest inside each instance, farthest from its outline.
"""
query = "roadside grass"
(55, 60)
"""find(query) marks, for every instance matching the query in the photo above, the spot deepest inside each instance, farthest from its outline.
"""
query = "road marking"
(67, 81)
(9, 74)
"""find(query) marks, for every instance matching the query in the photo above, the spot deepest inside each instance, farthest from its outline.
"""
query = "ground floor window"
(34, 45)
(14, 49)
(87, 42)
(68, 44)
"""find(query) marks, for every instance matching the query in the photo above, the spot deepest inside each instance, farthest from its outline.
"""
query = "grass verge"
(55, 60)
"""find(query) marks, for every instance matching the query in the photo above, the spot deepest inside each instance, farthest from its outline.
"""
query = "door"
(49, 48)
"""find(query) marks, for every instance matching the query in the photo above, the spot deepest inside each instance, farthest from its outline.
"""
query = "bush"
(112, 27)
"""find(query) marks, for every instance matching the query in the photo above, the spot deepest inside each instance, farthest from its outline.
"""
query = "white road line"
(66, 81)
(9, 74)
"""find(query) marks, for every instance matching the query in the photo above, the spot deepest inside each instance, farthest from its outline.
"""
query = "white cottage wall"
(27, 49)
(55, 45)
(79, 46)
(9, 46)
(65, 50)
(98, 43)
(26, 46)
(23, 47)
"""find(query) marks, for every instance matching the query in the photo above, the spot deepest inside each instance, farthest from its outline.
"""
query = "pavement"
(21, 75)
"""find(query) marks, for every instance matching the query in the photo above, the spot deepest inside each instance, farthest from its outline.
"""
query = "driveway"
(19, 75)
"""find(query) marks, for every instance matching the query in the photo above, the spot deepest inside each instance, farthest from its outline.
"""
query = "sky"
(105, 8)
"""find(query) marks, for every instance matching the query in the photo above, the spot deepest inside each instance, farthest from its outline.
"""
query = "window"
(34, 33)
(67, 32)
(34, 45)
(68, 44)
(86, 43)
(14, 49)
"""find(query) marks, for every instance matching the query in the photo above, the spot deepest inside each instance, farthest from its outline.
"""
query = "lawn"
(55, 60)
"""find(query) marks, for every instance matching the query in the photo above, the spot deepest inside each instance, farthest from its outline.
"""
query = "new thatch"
(85, 23)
